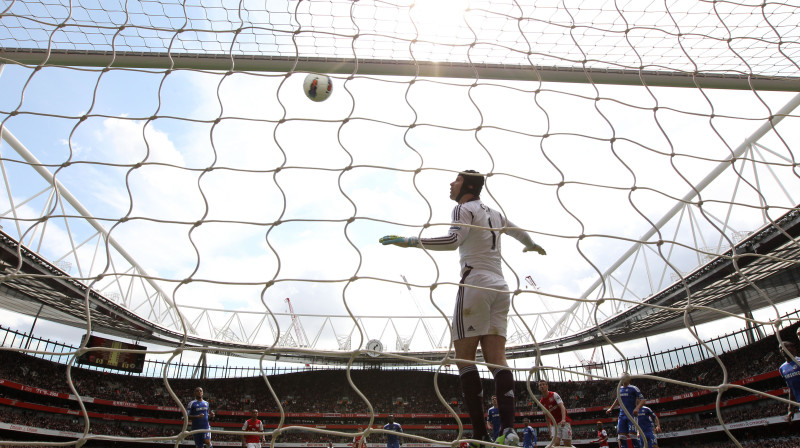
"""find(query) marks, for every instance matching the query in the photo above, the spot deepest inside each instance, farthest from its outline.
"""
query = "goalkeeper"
(481, 315)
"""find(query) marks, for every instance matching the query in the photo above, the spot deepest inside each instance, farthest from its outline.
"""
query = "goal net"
(164, 155)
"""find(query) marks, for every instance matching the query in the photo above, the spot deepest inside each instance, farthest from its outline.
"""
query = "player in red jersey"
(359, 441)
(561, 428)
(253, 425)
(602, 435)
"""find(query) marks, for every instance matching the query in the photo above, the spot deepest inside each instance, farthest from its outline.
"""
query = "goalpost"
(165, 149)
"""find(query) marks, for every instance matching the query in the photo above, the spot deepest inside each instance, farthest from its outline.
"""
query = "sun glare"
(439, 18)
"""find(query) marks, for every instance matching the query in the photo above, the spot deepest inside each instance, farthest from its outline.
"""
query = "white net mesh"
(689, 38)
(164, 155)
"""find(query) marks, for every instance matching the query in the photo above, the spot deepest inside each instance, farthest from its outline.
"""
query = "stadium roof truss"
(761, 270)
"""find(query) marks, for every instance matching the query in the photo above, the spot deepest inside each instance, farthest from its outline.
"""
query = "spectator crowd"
(387, 391)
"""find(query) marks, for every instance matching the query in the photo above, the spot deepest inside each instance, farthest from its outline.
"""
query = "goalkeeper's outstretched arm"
(523, 237)
(449, 242)
(401, 241)
(453, 239)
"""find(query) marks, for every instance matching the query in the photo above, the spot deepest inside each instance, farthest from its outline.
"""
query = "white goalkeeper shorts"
(481, 311)
(563, 432)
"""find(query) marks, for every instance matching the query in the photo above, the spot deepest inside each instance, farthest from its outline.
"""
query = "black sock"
(504, 389)
(473, 397)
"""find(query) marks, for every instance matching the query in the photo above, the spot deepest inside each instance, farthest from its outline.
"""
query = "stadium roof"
(759, 271)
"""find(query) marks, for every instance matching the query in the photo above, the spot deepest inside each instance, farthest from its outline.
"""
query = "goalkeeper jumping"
(480, 315)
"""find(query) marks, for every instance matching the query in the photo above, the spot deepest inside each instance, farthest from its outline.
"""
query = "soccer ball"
(317, 87)
(512, 439)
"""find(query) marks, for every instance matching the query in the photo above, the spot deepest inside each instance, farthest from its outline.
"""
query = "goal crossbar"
(387, 67)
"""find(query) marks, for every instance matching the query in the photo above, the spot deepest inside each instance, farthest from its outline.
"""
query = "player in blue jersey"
(392, 440)
(528, 434)
(648, 422)
(199, 413)
(631, 399)
(480, 317)
(493, 418)
(790, 371)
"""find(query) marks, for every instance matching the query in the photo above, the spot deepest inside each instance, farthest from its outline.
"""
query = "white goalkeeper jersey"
(479, 248)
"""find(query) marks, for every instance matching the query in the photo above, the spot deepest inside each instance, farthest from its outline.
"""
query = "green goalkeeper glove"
(411, 241)
(536, 248)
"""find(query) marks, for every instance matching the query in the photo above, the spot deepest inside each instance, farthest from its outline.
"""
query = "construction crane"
(299, 339)
(425, 325)
(589, 364)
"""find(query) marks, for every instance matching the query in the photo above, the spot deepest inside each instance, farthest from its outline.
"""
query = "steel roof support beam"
(23, 152)
(787, 109)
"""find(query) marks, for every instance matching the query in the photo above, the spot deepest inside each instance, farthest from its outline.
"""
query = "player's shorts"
(480, 312)
(200, 438)
(651, 438)
(393, 444)
(563, 432)
(624, 425)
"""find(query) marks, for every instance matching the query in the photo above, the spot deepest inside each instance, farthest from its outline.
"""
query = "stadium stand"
(36, 403)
